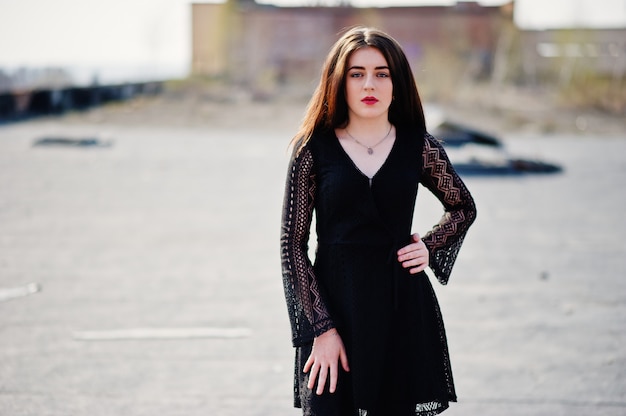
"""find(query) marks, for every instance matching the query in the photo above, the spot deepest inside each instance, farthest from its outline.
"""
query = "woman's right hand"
(328, 350)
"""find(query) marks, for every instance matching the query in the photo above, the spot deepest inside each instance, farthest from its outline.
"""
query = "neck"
(368, 129)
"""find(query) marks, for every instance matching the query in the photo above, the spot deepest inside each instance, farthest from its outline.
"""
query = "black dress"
(388, 319)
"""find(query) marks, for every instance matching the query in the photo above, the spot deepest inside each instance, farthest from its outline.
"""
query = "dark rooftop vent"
(71, 142)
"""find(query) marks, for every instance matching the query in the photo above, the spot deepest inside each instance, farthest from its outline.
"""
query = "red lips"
(369, 100)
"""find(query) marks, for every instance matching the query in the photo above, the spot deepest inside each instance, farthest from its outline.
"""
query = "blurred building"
(578, 49)
(257, 44)
(565, 51)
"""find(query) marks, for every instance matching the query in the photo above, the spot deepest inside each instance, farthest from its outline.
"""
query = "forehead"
(367, 57)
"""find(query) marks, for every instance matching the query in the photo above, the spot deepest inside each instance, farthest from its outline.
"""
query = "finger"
(312, 377)
(321, 381)
(308, 364)
(405, 252)
(413, 254)
(421, 266)
(333, 377)
(406, 249)
(416, 237)
(416, 246)
(415, 261)
(343, 357)
(418, 269)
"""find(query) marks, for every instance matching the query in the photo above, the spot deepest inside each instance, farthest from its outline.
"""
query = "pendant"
(370, 151)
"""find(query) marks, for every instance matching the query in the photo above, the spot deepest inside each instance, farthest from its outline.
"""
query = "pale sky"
(151, 38)
(125, 36)
(547, 14)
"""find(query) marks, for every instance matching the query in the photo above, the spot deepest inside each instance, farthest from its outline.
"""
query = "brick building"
(256, 44)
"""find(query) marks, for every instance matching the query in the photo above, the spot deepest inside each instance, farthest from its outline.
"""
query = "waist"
(387, 242)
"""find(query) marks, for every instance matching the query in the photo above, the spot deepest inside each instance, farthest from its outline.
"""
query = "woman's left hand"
(415, 256)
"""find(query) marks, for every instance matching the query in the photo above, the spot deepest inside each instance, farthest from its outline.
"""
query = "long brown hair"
(328, 108)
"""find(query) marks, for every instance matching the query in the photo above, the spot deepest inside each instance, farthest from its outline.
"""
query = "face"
(369, 89)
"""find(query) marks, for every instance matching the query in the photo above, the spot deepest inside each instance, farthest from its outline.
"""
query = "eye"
(383, 75)
(355, 75)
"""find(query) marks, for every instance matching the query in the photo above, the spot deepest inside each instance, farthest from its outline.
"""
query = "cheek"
(389, 90)
(350, 89)
(352, 94)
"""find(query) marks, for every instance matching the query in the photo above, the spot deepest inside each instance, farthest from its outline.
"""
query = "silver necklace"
(370, 149)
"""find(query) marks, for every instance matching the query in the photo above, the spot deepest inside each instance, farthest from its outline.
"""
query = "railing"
(18, 105)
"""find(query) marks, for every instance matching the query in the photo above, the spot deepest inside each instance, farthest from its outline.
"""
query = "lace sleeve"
(307, 312)
(445, 239)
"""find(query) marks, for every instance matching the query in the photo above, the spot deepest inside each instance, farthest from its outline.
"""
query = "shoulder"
(321, 138)
(304, 144)
(410, 138)
(432, 143)
(320, 144)
(433, 152)
(316, 149)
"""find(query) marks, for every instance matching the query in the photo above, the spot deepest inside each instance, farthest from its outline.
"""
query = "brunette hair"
(328, 108)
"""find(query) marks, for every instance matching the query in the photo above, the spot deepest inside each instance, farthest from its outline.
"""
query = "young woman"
(366, 325)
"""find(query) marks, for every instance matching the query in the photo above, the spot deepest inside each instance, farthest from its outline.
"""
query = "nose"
(369, 82)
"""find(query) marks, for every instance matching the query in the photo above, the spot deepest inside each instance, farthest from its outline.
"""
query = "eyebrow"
(363, 68)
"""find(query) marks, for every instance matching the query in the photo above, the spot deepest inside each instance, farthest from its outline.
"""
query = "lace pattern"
(307, 312)
(445, 239)
(421, 409)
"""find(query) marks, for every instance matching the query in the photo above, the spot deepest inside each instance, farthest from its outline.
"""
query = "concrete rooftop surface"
(142, 276)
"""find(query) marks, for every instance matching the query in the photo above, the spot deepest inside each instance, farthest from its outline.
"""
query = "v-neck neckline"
(356, 167)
